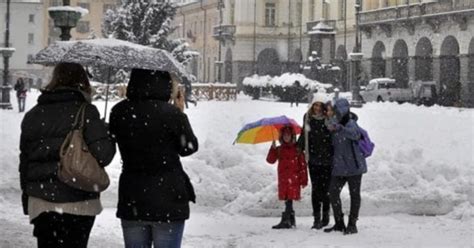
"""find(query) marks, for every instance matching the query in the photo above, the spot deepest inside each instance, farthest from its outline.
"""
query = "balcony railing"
(415, 10)
(224, 32)
(311, 25)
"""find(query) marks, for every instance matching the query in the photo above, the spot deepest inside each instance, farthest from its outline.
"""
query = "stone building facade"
(195, 22)
(273, 36)
(26, 36)
(422, 40)
(276, 36)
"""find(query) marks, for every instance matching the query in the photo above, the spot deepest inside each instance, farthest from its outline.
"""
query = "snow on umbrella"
(264, 130)
(108, 52)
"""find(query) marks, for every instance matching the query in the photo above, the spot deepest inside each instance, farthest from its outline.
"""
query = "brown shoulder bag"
(77, 167)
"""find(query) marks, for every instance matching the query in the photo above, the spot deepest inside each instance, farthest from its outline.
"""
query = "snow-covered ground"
(418, 191)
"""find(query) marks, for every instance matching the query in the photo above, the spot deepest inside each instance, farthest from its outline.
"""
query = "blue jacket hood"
(342, 108)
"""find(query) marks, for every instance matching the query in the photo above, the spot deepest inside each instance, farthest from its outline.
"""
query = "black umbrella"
(109, 52)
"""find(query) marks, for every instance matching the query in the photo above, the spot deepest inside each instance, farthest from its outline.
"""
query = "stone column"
(411, 69)
(436, 71)
(240, 70)
(366, 67)
(388, 67)
(464, 76)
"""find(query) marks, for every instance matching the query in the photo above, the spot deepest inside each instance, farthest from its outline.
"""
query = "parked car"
(424, 92)
(385, 89)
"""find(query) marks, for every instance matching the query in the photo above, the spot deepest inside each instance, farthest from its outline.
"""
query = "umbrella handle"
(106, 101)
(107, 94)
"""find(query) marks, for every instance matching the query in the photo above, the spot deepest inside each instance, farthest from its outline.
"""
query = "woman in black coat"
(62, 216)
(152, 134)
(316, 142)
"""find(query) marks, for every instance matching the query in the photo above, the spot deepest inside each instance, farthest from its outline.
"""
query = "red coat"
(292, 171)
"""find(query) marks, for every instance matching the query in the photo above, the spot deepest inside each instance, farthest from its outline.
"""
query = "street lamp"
(220, 6)
(355, 61)
(65, 18)
(7, 52)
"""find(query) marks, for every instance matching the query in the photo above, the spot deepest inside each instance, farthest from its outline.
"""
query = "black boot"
(285, 222)
(351, 226)
(325, 220)
(338, 227)
(292, 219)
(317, 220)
(317, 224)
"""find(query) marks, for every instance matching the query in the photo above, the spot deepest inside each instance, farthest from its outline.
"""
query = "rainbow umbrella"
(265, 130)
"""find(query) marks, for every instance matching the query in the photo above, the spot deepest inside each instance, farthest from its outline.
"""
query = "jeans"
(337, 183)
(62, 230)
(21, 104)
(141, 234)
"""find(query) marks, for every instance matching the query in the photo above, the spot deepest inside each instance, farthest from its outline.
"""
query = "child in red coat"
(292, 173)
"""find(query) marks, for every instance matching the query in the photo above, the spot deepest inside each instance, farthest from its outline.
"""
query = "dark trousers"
(320, 175)
(289, 206)
(188, 99)
(294, 100)
(54, 230)
(337, 183)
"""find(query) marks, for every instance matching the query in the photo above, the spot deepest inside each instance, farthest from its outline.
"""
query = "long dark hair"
(323, 107)
(70, 75)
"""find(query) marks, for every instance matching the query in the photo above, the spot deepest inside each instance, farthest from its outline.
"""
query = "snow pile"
(285, 80)
(257, 81)
(422, 164)
(77, 9)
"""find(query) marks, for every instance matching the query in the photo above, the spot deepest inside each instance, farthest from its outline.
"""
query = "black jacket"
(43, 130)
(152, 135)
(320, 143)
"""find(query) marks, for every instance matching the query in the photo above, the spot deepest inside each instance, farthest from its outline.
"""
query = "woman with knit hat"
(316, 143)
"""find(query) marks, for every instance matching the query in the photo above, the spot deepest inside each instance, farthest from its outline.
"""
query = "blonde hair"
(70, 75)
(174, 86)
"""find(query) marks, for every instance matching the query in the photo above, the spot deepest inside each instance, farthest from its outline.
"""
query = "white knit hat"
(322, 98)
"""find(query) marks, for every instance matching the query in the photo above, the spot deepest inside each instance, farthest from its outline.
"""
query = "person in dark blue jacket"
(348, 166)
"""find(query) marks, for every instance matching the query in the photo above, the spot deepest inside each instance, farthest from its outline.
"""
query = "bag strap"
(79, 119)
(352, 146)
(306, 137)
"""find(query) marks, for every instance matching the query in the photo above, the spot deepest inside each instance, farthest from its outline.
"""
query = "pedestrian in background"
(21, 90)
(188, 92)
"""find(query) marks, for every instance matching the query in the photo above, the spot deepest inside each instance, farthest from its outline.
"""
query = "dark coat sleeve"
(22, 170)
(97, 137)
(272, 155)
(349, 131)
(188, 143)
